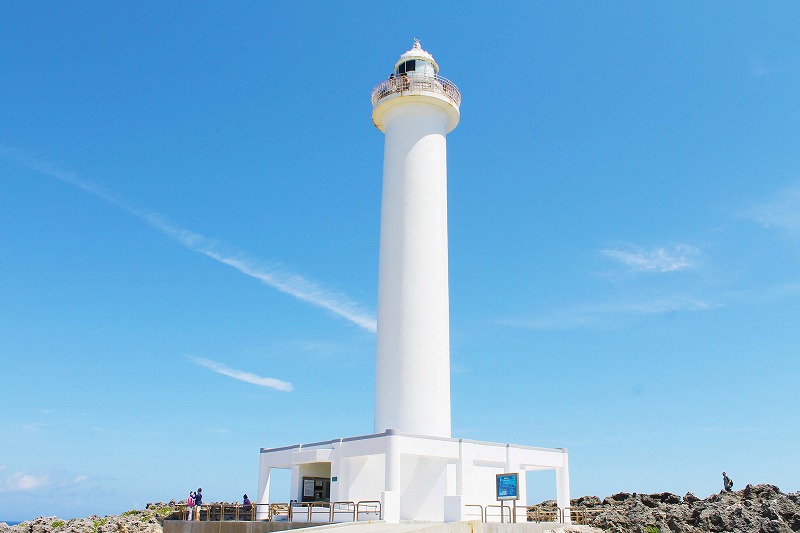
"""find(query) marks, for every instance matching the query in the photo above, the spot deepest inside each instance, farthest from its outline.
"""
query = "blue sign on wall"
(508, 486)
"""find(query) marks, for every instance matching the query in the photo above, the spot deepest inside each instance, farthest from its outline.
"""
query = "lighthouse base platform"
(185, 526)
(410, 477)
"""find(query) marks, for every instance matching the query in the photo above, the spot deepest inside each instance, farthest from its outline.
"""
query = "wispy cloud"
(271, 275)
(39, 480)
(23, 482)
(241, 375)
(781, 211)
(659, 259)
(607, 316)
(34, 427)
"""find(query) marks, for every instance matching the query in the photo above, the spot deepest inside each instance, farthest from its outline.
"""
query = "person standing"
(190, 504)
(198, 501)
(247, 509)
(727, 482)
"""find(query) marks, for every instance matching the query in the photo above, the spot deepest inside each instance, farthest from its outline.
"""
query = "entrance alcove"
(315, 482)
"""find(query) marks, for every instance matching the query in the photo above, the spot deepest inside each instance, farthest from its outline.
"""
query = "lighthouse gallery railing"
(404, 83)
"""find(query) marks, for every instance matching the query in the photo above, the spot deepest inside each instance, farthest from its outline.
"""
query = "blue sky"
(189, 218)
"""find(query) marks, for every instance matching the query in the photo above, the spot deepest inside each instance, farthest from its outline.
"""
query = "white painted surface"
(412, 388)
(423, 487)
(454, 510)
(562, 489)
(364, 478)
(426, 471)
(264, 476)
(390, 505)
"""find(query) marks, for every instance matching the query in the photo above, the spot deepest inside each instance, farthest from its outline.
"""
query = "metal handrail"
(416, 83)
(580, 515)
(543, 514)
(519, 513)
(219, 510)
(310, 509)
(533, 513)
(502, 512)
(350, 507)
(238, 513)
(483, 518)
(279, 509)
(312, 505)
(372, 504)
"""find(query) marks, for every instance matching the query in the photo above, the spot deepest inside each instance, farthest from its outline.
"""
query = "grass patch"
(58, 523)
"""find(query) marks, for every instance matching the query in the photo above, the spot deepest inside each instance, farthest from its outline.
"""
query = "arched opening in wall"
(540, 486)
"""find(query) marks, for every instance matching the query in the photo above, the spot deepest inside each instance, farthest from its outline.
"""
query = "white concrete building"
(411, 464)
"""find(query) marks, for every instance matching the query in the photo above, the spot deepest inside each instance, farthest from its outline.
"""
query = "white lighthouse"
(415, 108)
(411, 468)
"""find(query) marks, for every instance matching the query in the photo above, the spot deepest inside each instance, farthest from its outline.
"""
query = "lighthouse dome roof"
(417, 52)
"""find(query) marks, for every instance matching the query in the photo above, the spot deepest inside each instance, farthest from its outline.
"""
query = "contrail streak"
(241, 375)
(288, 283)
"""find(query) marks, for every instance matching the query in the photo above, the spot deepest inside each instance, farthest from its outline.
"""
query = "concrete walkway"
(433, 527)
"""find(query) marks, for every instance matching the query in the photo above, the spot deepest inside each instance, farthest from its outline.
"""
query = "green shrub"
(58, 523)
(97, 524)
(652, 529)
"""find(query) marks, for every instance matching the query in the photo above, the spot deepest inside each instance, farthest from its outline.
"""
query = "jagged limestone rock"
(755, 509)
(148, 520)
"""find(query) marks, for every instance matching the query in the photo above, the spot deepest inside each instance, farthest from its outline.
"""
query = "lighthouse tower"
(415, 108)
(411, 468)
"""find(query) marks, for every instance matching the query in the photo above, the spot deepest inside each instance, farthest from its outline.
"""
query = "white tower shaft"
(413, 343)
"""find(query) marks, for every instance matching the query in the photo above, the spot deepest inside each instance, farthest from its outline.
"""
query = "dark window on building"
(408, 66)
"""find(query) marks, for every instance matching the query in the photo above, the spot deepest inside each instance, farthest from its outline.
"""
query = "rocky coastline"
(754, 509)
(147, 520)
